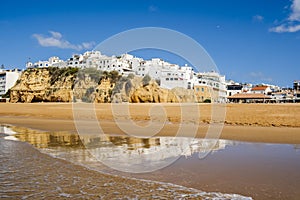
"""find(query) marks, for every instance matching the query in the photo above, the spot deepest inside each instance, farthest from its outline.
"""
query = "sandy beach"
(270, 123)
(224, 172)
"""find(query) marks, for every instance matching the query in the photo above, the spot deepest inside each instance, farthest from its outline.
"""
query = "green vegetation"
(7, 94)
(207, 101)
(146, 80)
(128, 87)
(157, 81)
(97, 75)
(89, 91)
(130, 76)
(57, 73)
(124, 82)
(86, 99)
(87, 96)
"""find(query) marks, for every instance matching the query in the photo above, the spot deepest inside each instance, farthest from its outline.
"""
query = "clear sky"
(255, 41)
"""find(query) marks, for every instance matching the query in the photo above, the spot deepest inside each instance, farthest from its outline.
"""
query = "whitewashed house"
(56, 62)
(41, 64)
(234, 89)
(264, 89)
(175, 76)
(77, 60)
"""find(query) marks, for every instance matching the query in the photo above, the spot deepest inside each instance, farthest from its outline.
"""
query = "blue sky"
(250, 41)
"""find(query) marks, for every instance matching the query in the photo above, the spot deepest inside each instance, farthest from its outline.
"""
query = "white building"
(175, 76)
(51, 62)
(233, 89)
(169, 75)
(29, 64)
(124, 64)
(56, 62)
(215, 82)
(41, 64)
(76, 61)
(264, 89)
(8, 79)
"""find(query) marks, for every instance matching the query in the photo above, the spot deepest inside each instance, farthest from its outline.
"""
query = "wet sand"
(270, 123)
(260, 170)
(26, 173)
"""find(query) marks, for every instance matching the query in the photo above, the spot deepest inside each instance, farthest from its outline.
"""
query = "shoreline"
(59, 117)
(277, 135)
(77, 181)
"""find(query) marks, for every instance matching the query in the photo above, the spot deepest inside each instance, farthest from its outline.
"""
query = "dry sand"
(273, 123)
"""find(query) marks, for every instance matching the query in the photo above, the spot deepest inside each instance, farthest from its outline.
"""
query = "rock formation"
(35, 85)
(90, 85)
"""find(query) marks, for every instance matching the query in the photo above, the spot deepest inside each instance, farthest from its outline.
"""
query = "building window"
(167, 79)
(176, 79)
(171, 79)
(202, 89)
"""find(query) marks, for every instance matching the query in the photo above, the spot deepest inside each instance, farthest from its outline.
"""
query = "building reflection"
(123, 148)
(50, 139)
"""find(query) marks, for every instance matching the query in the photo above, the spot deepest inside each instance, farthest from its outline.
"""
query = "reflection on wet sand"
(125, 145)
(260, 170)
(122, 153)
(28, 174)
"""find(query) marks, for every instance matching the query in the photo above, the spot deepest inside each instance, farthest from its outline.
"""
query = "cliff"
(90, 85)
(49, 85)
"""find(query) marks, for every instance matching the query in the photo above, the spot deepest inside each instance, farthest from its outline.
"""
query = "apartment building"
(8, 79)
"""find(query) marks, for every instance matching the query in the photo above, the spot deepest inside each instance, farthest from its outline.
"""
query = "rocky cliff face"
(136, 91)
(67, 85)
(37, 85)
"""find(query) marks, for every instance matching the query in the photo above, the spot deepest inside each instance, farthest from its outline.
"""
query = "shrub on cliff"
(97, 75)
(207, 101)
(7, 94)
(130, 76)
(146, 80)
(128, 87)
(57, 73)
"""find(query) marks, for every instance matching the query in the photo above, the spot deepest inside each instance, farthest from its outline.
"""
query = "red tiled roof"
(249, 96)
(259, 88)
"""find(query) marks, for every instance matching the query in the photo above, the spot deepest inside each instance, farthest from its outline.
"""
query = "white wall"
(8, 80)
